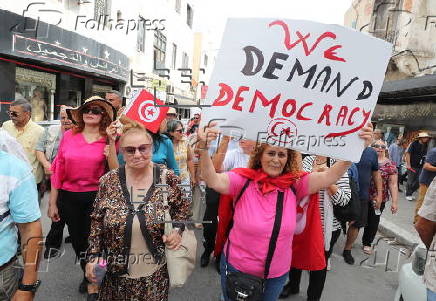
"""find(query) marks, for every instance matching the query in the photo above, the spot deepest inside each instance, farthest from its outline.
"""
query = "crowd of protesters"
(102, 174)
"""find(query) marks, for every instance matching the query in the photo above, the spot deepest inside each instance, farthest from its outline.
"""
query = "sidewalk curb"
(389, 229)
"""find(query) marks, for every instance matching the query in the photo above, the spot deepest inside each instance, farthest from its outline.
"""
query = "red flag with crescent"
(144, 110)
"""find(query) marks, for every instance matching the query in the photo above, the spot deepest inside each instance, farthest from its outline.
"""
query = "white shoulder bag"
(181, 262)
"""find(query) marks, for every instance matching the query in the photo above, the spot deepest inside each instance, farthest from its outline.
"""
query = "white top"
(428, 211)
(235, 159)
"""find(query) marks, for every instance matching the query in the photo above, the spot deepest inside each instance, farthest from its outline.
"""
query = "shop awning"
(184, 101)
(405, 91)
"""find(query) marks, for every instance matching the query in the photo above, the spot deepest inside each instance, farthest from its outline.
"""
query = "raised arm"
(319, 180)
(217, 181)
(219, 156)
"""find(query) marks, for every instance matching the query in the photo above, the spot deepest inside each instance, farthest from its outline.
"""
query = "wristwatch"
(29, 287)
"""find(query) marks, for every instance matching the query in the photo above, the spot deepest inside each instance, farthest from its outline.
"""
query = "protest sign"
(142, 108)
(298, 84)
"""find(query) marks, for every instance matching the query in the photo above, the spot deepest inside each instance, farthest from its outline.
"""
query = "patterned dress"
(110, 236)
(386, 168)
(181, 155)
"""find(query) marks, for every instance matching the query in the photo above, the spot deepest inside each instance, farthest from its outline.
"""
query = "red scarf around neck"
(268, 183)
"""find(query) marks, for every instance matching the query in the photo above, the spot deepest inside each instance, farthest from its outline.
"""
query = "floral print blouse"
(386, 168)
(112, 217)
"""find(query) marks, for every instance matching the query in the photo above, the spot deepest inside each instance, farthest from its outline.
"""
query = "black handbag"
(245, 287)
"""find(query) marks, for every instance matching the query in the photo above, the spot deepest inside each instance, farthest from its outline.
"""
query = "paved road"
(344, 282)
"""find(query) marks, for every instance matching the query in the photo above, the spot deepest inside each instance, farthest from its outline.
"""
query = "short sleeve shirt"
(367, 164)
(28, 138)
(253, 223)
(19, 196)
(417, 152)
(428, 211)
(427, 176)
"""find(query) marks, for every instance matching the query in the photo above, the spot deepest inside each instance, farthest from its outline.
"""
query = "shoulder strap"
(241, 192)
(275, 233)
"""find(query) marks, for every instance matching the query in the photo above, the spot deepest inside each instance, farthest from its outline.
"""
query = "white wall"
(176, 29)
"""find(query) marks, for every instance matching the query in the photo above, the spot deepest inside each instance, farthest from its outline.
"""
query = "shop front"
(406, 107)
(51, 66)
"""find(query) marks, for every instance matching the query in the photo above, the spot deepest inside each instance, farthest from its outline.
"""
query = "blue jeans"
(431, 296)
(273, 286)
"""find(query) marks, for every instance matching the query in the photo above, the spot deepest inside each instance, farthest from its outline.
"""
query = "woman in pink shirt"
(77, 169)
(273, 173)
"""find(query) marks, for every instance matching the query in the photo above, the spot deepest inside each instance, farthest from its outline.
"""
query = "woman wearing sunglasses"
(389, 175)
(182, 152)
(77, 168)
(127, 227)
(273, 184)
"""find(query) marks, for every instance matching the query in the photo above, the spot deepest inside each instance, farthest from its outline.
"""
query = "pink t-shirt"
(78, 165)
(253, 223)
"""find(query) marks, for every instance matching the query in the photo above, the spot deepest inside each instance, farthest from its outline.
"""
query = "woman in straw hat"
(77, 168)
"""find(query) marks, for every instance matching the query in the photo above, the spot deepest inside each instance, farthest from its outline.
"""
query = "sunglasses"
(196, 118)
(143, 149)
(179, 131)
(379, 146)
(13, 114)
(93, 110)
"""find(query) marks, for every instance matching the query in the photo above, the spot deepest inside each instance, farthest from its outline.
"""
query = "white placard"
(298, 84)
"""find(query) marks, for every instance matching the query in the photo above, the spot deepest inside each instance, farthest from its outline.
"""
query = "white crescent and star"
(148, 112)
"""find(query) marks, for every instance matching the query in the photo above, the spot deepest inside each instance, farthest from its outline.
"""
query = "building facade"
(407, 101)
(60, 51)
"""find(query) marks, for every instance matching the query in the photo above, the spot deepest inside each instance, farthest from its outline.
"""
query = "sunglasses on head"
(379, 146)
(13, 114)
(143, 149)
(93, 110)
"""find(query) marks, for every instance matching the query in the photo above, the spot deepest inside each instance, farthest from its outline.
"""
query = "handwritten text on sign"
(302, 84)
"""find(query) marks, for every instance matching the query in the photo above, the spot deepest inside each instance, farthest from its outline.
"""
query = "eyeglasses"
(13, 114)
(179, 131)
(93, 110)
(379, 146)
(143, 149)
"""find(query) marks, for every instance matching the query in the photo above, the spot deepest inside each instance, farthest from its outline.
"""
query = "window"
(178, 5)
(205, 60)
(185, 60)
(102, 8)
(174, 58)
(189, 15)
(140, 38)
(160, 46)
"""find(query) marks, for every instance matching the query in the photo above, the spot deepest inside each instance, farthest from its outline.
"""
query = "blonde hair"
(133, 127)
(293, 162)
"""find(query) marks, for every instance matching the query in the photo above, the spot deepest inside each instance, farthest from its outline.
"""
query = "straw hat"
(172, 111)
(74, 116)
(423, 135)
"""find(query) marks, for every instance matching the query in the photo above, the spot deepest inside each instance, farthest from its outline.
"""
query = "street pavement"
(400, 225)
(361, 282)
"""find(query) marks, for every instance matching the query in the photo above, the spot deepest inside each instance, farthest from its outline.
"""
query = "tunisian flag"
(143, 110)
